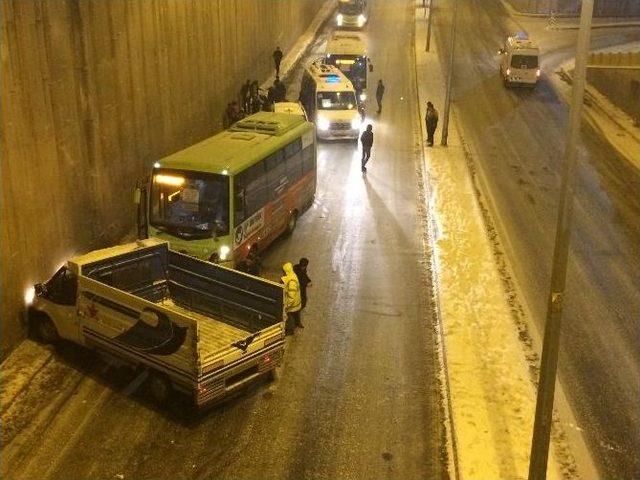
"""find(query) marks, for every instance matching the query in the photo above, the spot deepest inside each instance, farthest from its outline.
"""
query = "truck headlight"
(363, 97)
(323, 123)
(356, 123)
(224, 252)
(339, 19)
(537, 72)
(361, 20)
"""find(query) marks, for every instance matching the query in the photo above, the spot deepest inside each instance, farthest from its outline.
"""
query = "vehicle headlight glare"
(361, 19)
(224, 252)
(339, 19)
(363, 97)
(323, 123)
(356, 123)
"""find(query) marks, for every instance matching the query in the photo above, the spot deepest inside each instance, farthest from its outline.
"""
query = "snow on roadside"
(489, 385)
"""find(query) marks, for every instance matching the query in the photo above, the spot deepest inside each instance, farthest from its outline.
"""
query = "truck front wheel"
(44, 328)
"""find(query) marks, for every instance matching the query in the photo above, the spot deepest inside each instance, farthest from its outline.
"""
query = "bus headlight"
(356, 123)
(323, 123)
(361, 20)
(339, 19)
(224, 252)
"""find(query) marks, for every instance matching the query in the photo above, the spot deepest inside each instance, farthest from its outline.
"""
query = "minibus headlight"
(363, 97)
(224, 252)
(361, 19)
(508, 71)
(323, 123)
(339, 19)
(356, 123)
(538, 73)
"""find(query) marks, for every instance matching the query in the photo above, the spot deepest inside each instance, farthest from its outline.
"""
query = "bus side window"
(256, 193)
(293, 156)
(239, 183)
(276, 174)
(308, 159)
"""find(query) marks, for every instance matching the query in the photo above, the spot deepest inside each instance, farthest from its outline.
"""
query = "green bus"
(244, 186)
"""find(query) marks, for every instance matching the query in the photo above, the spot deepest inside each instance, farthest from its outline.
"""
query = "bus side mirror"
(137, 195)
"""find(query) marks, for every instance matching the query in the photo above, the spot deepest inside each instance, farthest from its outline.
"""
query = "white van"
(352, 13)
(330, 100)
(347, 51)
(519, 62)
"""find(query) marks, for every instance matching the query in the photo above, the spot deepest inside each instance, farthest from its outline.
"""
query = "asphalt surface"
(516, 138)
(357, 396)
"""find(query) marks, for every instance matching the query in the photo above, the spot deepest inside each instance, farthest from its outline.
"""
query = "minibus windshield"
(524, 61)
(336, 100)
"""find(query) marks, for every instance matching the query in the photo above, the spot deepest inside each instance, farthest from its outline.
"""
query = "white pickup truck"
(198, 328)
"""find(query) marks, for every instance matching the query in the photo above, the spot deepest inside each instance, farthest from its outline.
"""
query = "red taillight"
(266, 359)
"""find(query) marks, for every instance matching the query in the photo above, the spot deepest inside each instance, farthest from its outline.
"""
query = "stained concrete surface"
(93, 91)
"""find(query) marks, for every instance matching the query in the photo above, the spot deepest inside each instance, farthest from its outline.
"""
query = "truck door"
(62, 293)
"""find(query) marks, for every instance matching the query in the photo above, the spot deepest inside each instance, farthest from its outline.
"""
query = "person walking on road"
(366, 139)
(300, 269)
(292, 298)
(244, 95)
(277, 58)
(379, 95)
(431, 120)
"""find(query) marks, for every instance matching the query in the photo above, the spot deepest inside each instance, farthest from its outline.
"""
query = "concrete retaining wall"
(92, 92)
(621, 86)
(601, 8)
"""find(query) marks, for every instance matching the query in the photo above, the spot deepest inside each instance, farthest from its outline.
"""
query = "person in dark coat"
(300, 269)
(277, 58)
(280, 90)
(366, 139)
(245, 89)
(431, 121)
(379, 95)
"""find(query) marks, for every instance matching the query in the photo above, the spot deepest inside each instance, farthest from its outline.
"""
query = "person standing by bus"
(379, 95)
(300, 269)
(292, 298)
(244, 95)
(431, 121)
(277, 58)
(366, 139)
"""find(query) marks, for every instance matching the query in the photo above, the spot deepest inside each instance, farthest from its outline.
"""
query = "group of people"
(252, 100)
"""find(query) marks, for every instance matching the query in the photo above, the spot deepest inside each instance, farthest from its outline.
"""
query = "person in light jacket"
(292, 298)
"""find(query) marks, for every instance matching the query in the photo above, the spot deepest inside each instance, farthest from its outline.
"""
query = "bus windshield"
(190, 204)
(350, 8)
(336, 100)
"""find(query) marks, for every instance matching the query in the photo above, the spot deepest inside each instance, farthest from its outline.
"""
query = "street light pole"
(447, 97)
(429, 24)
(551, 340)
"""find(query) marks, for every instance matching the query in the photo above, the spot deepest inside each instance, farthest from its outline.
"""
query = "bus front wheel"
(291, 224)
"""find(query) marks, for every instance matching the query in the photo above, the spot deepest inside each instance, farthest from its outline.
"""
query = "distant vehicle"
(198, 328)
(245, 185)
(352, 13)
(347, 51)
(519, 61)
(291, 108)
(330, 99)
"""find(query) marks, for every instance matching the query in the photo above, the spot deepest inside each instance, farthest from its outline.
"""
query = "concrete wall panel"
(93, 91)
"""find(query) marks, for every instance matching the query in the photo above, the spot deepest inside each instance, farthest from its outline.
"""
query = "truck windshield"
(336, 100)
(353, 66)
(190, 204)
(524, 61)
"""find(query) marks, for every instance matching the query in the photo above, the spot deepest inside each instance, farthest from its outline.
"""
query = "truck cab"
(519, 61)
